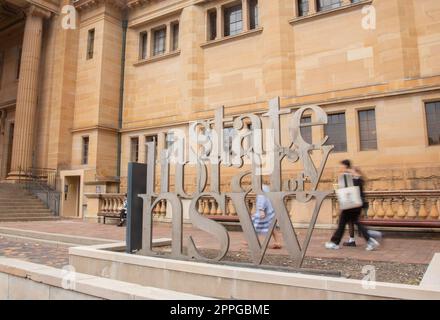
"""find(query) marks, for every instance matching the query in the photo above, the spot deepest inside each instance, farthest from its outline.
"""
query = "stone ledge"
(243, 281)
(87, 285)
(157, 58)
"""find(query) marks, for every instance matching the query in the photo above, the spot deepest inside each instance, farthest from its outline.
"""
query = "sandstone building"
(82, 90)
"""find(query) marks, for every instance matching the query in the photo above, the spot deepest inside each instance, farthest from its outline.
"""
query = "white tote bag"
(350, 196)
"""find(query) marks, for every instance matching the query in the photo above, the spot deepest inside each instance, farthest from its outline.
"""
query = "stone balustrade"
(409, 205)
(416, 206)
(110, 203)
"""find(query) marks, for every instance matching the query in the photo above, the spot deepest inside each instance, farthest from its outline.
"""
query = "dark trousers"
(349, 216)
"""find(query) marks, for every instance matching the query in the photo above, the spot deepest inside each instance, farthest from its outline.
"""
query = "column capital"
(36, 11)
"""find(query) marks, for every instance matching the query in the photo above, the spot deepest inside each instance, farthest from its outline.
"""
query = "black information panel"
(137, 182)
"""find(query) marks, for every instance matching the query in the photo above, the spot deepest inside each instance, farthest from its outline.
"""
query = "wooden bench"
(112, 215)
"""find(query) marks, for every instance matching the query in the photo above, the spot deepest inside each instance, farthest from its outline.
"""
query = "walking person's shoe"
(350, 243)
(331, 246)
(372, 244)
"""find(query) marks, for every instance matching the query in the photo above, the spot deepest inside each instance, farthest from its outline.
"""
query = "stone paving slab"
(393, 249)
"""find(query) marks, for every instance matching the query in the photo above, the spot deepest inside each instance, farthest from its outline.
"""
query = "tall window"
(2, 62)
(336, 132)
(229, 134)
(303, 7)
(253, 14)
(159, 41)
(212, 21)
(19, 51)
(233, 17)
(432, 110)
(150, 139)
(85, 150)
(170, 145)
(367, 128)
(328, 4)
(306, 132)
(143, 43)
(134, 149)
(175, 30)
(90, 43)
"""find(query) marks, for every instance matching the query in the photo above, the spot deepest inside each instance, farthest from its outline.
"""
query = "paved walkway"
(393, 249)
(36, 252)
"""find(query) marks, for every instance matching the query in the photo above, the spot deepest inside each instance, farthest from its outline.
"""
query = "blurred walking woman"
(351, 215)
(264, 216)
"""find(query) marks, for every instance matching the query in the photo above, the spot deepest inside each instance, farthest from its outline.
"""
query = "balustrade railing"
(110, 204)
(411, 206)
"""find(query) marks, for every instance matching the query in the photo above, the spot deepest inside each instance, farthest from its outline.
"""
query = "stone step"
(28, 218)
(36, 210)
(23, 209)
(25, 214)
(23, 200)
(17, 198)
(17, 204)
(22, 205)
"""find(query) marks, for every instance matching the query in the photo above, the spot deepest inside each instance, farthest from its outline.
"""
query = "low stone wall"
(20, 280)
(231, 282)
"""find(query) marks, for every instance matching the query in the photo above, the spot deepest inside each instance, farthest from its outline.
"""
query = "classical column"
(27, 92)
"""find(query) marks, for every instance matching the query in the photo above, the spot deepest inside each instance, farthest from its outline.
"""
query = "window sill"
(244, 34)
(320, 14)
(157, 58)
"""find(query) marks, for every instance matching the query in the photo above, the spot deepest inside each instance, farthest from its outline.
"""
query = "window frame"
(227, 22)
(175, 43)
(426, 121)
(143, 45)
(155, 139)
(134, 149)
(300, 4)
(212, 32)
(344, 112)
(331, 6)
(155, 52)
(254, 14)
(91, 34)
(85, 148)
(305, 130)
(359, 129)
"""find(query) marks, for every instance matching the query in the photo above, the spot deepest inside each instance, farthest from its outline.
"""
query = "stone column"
(27, 93)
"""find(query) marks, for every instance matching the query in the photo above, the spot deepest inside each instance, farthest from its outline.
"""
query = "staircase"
(16, 204)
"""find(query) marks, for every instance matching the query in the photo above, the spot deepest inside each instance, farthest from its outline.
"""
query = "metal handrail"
(41, 181)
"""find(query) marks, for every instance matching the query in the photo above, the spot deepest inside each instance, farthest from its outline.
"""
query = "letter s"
(209, 226)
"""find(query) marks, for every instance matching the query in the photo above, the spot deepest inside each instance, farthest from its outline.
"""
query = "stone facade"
(337, 58)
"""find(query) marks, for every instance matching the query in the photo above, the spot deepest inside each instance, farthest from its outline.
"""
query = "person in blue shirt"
(264, 216)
